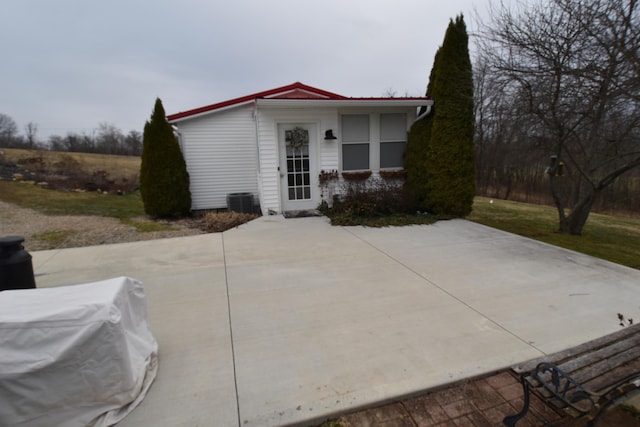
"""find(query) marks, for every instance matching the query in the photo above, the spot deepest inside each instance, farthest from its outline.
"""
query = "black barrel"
(16, 269)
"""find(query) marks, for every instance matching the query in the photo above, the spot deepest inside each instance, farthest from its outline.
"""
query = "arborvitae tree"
(450, 163)
(415, 156)
(164, 180)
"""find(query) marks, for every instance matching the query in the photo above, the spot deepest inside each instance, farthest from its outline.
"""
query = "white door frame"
(296, 193)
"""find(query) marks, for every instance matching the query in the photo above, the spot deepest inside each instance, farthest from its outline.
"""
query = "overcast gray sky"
(69, 65)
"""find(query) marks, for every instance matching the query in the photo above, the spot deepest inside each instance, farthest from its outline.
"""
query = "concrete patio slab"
(332, 323)
(288, 321)
(185, 284)
(550, 297)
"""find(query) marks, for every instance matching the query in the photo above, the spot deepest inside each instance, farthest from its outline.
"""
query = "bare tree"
(389, 93)
(508, 160)
(30, 131)
(106, 139)
(110, 139)
(573, 68)
(133, 143)
(8, 130)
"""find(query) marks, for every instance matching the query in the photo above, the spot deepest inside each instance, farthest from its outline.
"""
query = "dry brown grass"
(117, 166)
(217, 222)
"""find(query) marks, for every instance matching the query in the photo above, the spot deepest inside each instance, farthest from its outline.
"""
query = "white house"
(275, 144)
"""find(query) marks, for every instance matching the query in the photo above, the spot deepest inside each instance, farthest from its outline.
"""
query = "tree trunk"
(557, 199)
(574, 222)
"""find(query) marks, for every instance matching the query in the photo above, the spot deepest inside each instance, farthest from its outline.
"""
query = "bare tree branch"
(573, 67)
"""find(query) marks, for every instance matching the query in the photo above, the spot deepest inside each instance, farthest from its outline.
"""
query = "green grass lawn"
(608, 237)
(71, 203)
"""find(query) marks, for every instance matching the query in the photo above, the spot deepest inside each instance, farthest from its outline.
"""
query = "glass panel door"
(297, 158)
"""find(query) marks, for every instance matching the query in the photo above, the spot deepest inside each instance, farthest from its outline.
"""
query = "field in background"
(117, 166)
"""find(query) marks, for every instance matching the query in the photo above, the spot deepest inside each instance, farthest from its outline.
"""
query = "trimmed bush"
(164, 180)
(450, 161)
(415, 157)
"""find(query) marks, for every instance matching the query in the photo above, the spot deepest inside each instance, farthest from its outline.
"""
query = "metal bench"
(583, 381)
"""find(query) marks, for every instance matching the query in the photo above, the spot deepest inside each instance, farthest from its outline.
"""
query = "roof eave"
(194, 114)
(348, 102)
(279, 91)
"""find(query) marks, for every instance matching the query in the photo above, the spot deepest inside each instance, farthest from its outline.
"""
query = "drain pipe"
(177, 132)
(258, 159)
(423, 115)
(255, 120)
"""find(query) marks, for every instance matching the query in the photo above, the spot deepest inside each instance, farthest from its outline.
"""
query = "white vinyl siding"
(220, 153)
(236, 150)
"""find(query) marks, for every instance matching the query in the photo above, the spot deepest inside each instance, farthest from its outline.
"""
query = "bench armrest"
(563, 387)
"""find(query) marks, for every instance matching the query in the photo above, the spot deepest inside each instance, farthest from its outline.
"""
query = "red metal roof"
(296, 90)
(293, 91)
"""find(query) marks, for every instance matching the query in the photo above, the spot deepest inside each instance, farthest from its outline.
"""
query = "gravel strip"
(69, 231)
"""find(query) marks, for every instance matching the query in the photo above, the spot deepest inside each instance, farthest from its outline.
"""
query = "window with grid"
(298, 172)
(355, 142)
(393, 140)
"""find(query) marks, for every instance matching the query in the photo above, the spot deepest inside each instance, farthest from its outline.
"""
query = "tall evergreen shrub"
(415, 157)
(450, 164)
(164, 180)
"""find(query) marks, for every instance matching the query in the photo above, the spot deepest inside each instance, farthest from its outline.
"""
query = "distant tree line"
(106, 139)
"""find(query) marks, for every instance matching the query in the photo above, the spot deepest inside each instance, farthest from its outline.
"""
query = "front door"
(298, 175)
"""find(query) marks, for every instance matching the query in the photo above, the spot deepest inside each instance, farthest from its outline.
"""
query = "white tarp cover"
(78, 355)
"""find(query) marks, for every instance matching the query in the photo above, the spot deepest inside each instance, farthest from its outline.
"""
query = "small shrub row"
(372, 198)
(374, 203)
